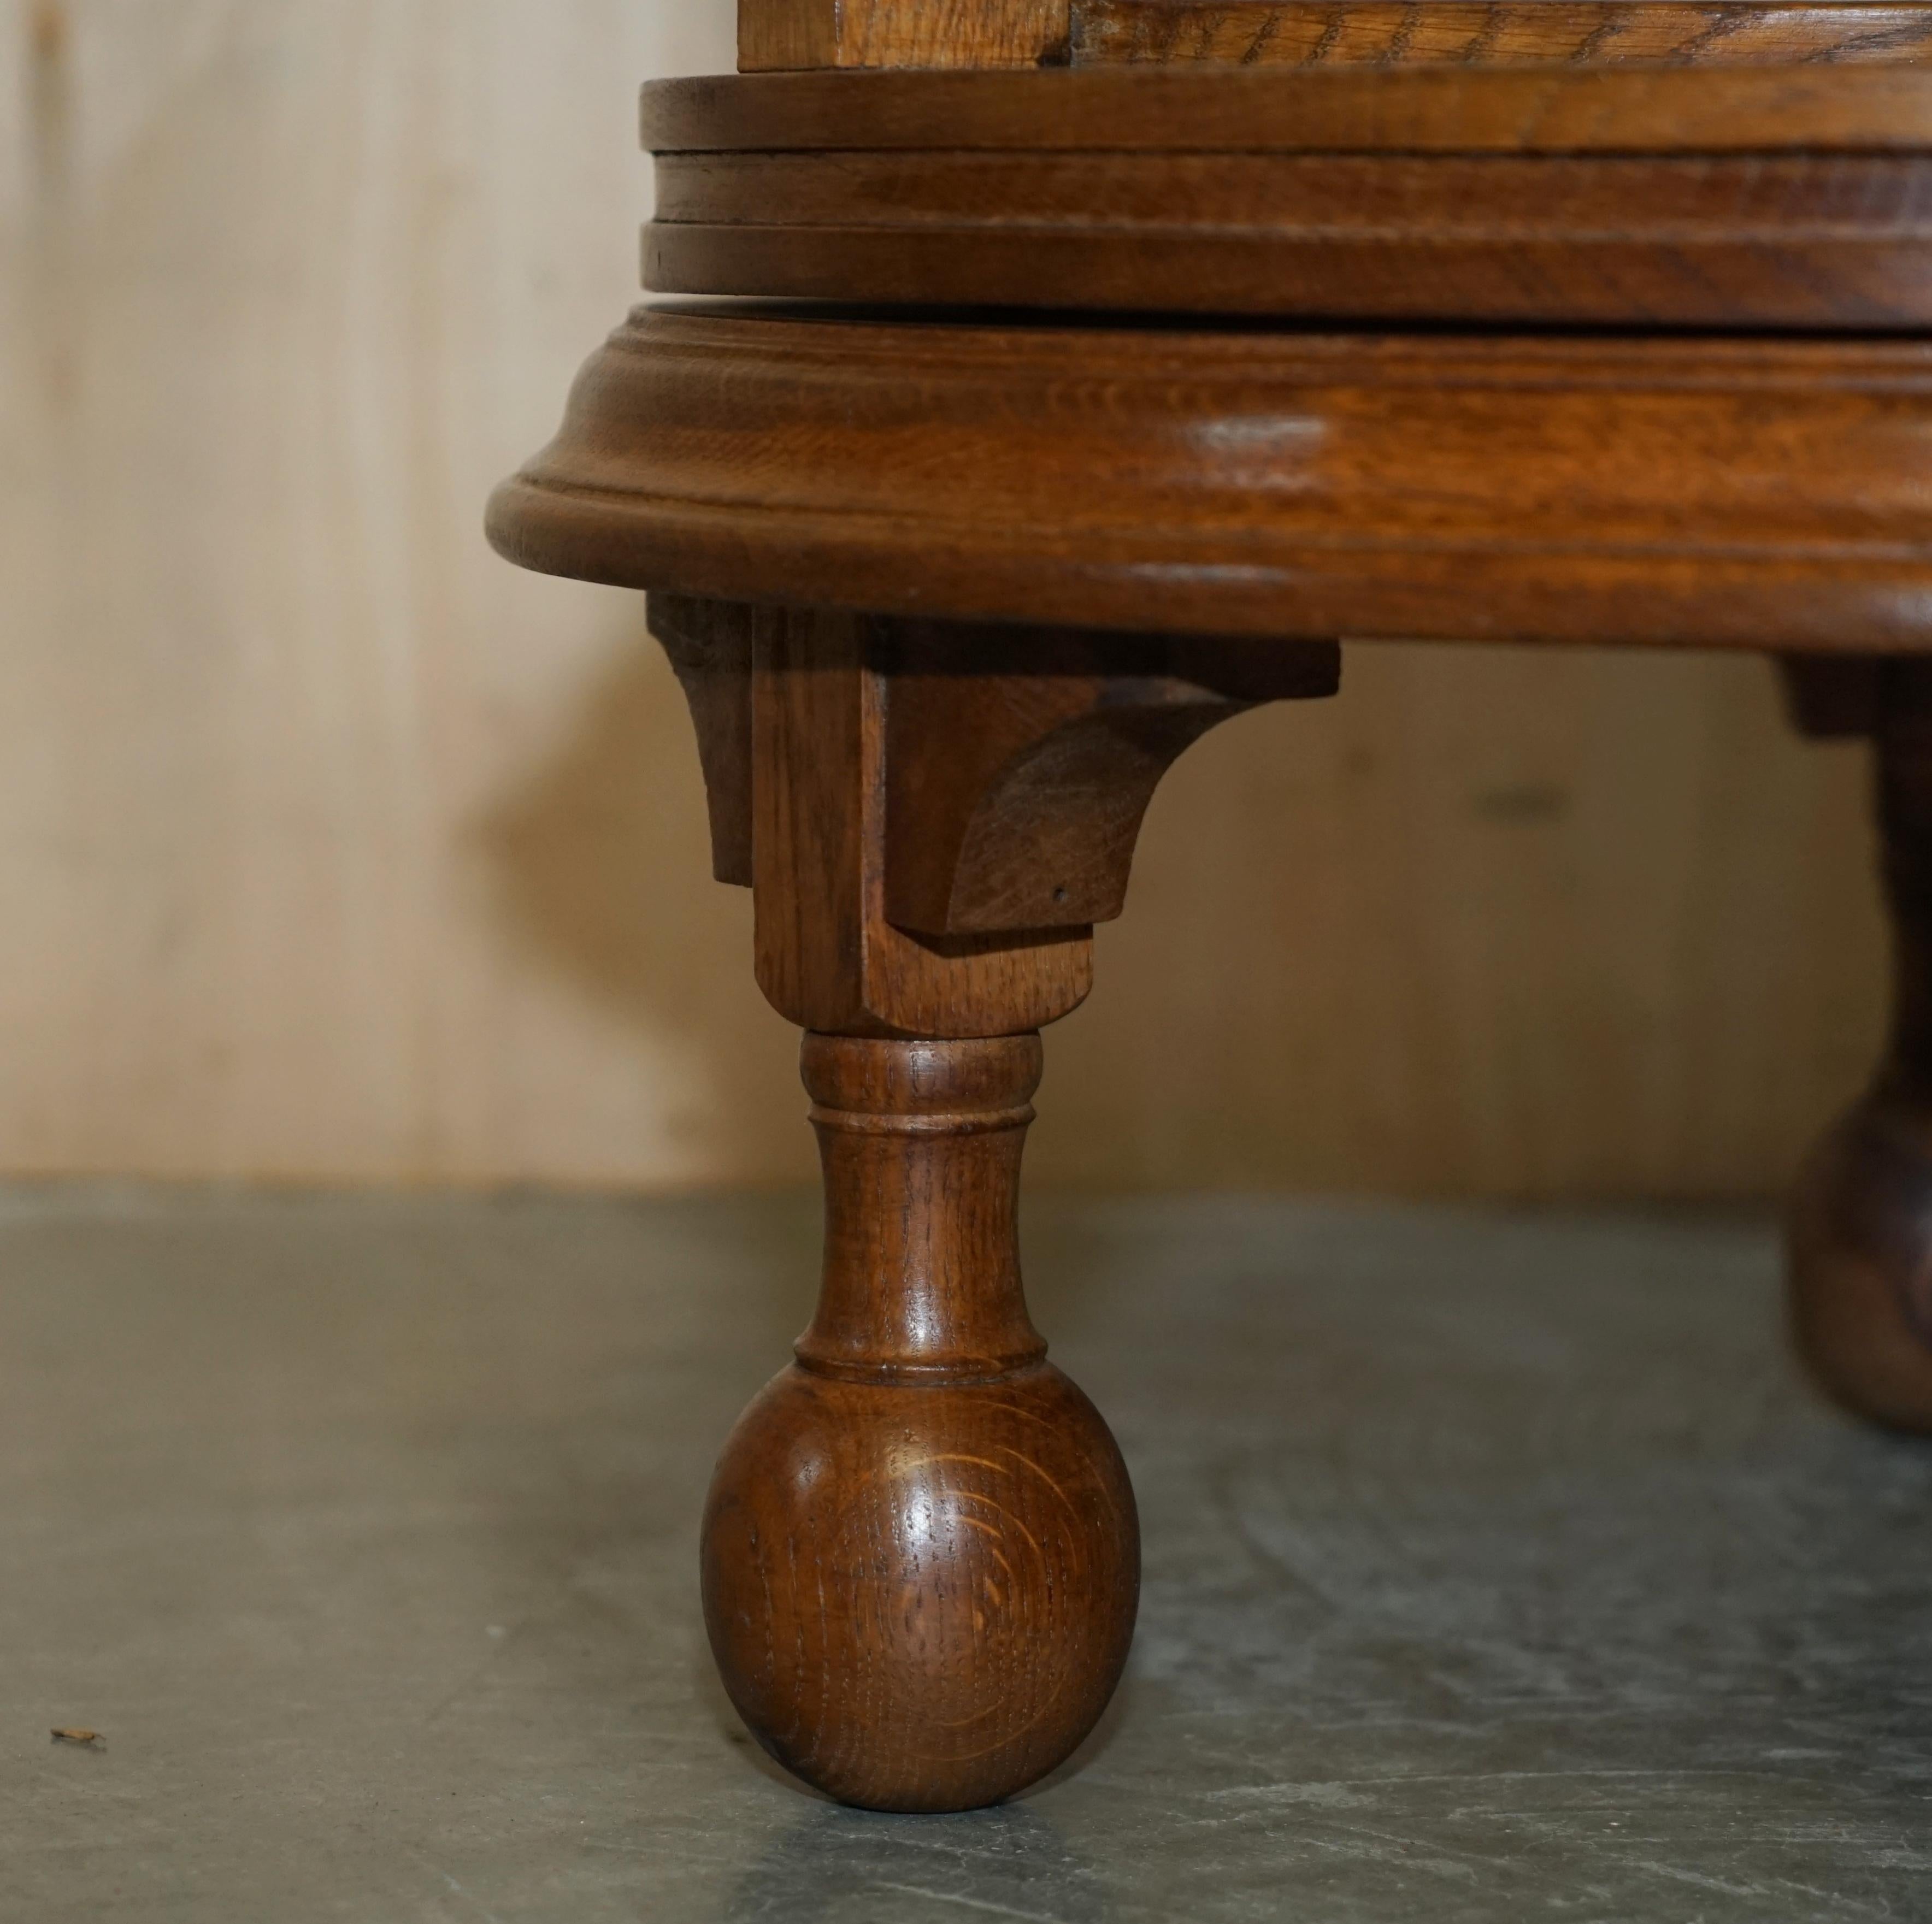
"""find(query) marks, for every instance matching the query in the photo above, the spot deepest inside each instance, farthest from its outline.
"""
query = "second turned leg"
(1860, 1221)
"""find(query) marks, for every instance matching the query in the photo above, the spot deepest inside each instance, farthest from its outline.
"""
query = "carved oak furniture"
(1115, 360)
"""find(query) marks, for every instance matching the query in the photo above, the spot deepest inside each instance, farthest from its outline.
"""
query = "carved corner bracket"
(934, 814)
(1020, 762)
(710, 645)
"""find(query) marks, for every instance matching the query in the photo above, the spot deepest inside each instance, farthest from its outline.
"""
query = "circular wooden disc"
(1792, 196)
(1770, 495)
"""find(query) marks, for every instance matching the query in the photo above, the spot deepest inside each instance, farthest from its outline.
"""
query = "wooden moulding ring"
(1768, 495)
(1782, 197)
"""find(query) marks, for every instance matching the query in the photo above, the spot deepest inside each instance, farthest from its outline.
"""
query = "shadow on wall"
(601, 860)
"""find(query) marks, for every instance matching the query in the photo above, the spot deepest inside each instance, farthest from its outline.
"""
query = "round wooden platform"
(1795, 196)
(1763, 494)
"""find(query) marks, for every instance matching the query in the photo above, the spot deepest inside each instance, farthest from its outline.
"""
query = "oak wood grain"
(1765, 496)
(1741, 241)
(921, 1557)
(1636, 109)
(793, 34)
(828, 957)
(1492, 33)
(1020, 762)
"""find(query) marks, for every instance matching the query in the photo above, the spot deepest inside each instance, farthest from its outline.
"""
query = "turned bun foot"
(920, 1599)
(1860, 1262)
(921, 1558)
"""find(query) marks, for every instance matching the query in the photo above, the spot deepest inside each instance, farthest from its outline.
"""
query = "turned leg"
(1860, 1221)
(920, 1555)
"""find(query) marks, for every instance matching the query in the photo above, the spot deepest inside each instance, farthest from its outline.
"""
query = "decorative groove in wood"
(1829, 241)
(1476, 33)
(1855, 282)
(1784, 198)
(1506, 198)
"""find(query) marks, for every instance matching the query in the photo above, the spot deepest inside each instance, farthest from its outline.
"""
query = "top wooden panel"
(777, 35)
(1473, 33)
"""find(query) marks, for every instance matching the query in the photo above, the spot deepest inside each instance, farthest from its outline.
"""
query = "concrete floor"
(1496, 1568)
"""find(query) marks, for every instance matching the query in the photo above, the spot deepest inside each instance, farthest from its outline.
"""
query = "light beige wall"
(332, 848)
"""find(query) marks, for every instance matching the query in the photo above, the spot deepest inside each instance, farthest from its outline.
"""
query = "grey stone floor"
(1497, 1568)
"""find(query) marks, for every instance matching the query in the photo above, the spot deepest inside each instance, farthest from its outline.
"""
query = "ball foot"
(1860, 1241)
(921, 1599)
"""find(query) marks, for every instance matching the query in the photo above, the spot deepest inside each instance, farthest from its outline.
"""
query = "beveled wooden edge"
(1768, 496)
(1530, 110)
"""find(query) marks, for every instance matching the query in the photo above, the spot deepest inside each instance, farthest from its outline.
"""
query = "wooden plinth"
(1269, 482)
(1786, 196)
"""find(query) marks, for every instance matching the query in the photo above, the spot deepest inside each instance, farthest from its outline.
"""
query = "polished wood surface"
(1491, 195)
(1767, 495)
(1637, 110)
(921, 1557)
(792, 35)
(1491, 33)
(1749, 240)
(1021, 761)
(939, 809)
(828, 957)
(783, 34)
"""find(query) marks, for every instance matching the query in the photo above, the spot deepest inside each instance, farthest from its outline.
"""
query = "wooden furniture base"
(949, 591)
(1784, 197)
